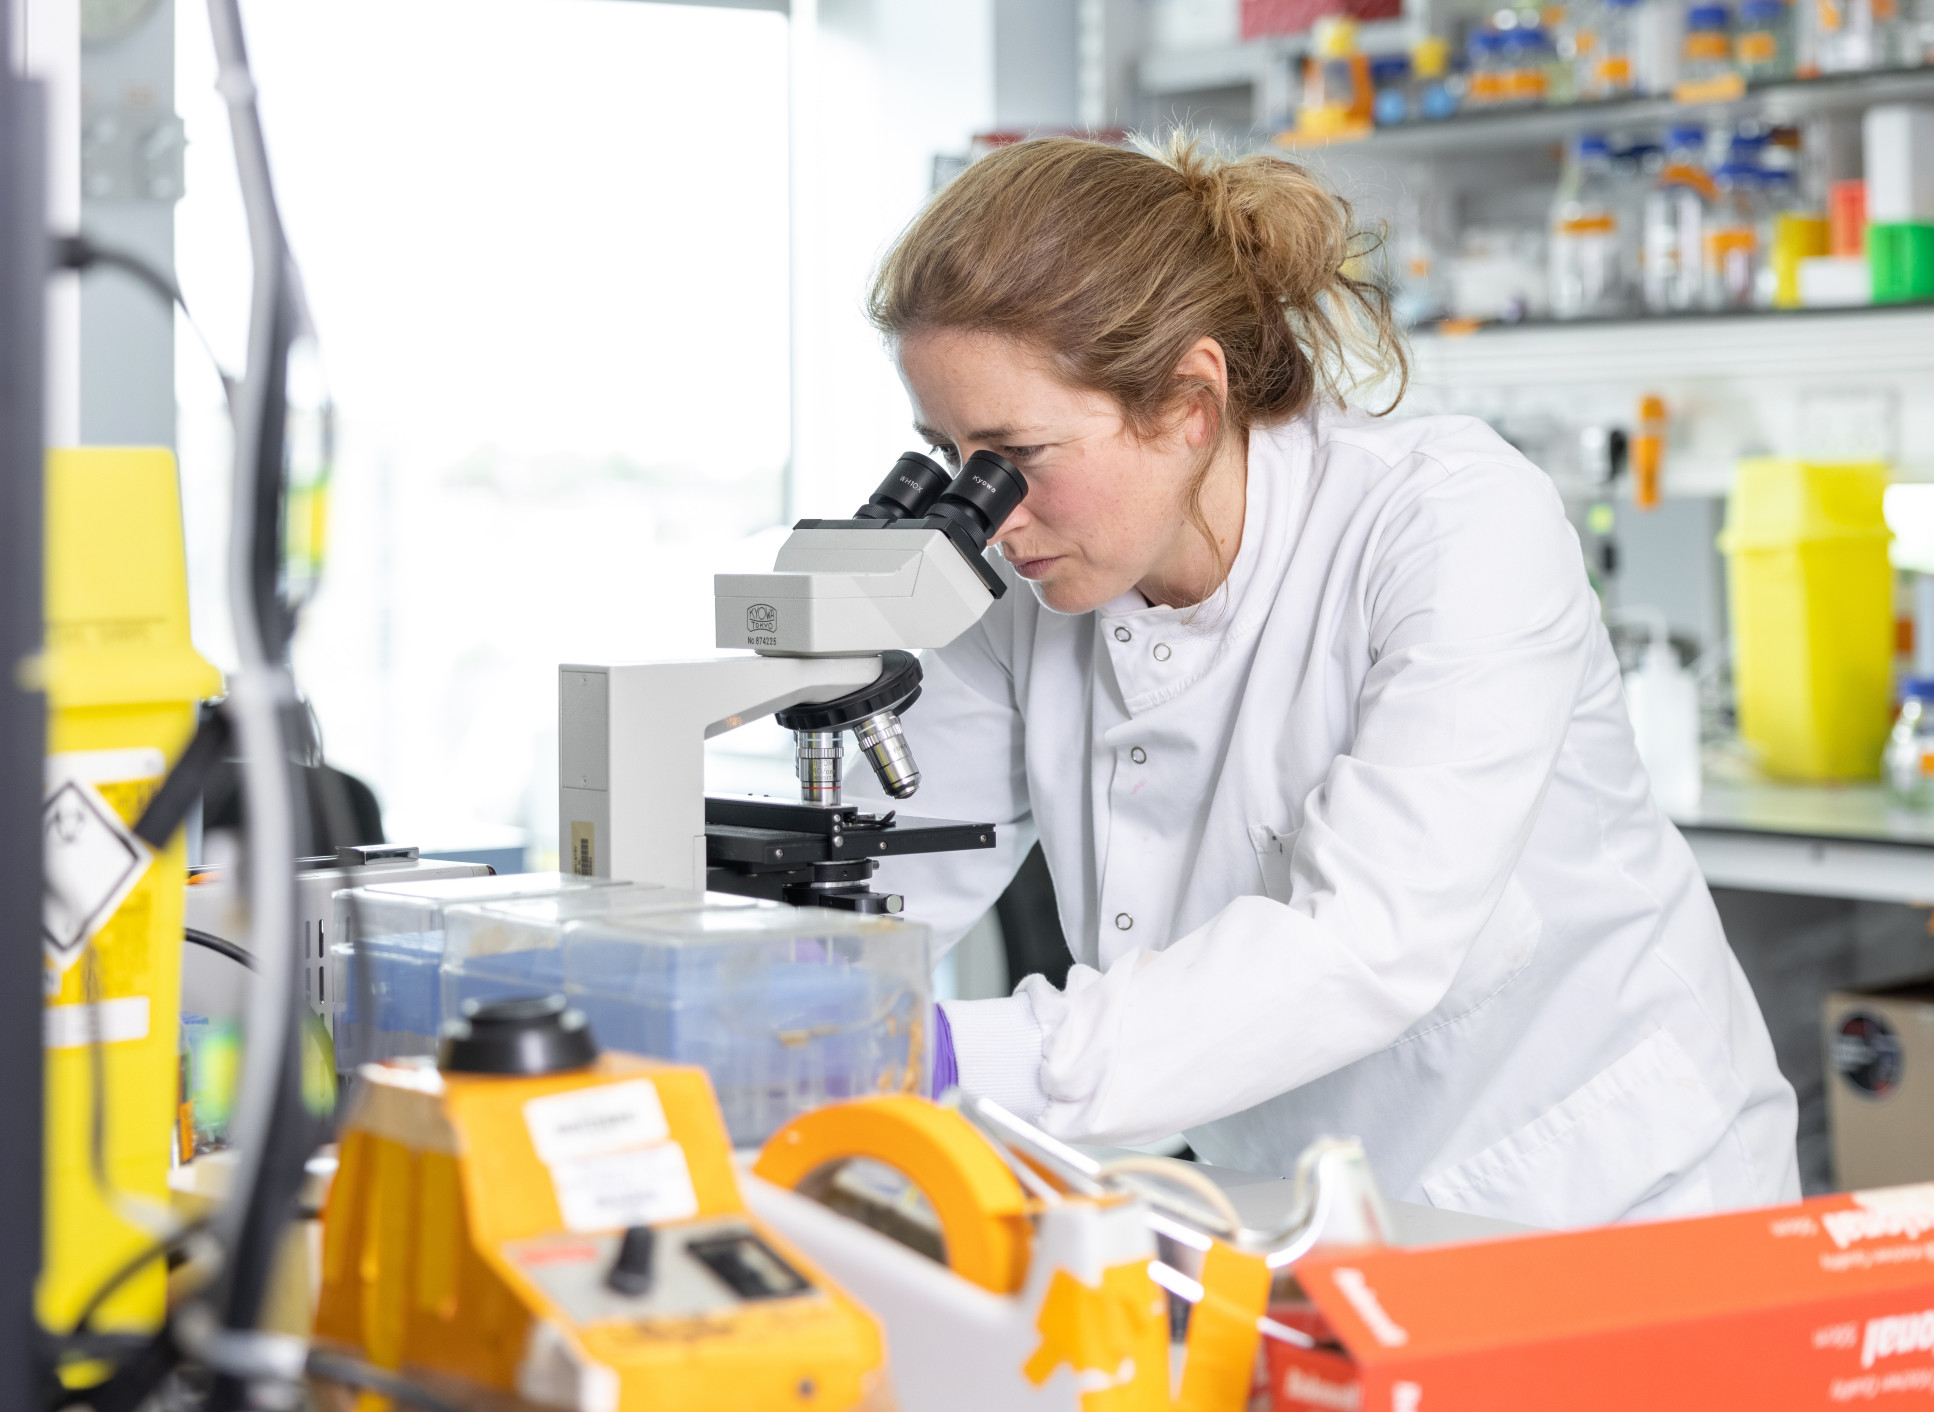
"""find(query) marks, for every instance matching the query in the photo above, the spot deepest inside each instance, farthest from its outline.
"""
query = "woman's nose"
(1017, 519)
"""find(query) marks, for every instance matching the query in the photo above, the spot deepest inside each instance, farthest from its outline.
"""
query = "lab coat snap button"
(1122, 634)
(1161, 652)
(1123, 921)
(1138, 755)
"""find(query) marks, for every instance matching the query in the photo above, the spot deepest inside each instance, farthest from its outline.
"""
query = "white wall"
(899, 81)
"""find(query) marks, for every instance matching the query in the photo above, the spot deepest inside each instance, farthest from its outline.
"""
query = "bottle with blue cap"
(1604, 50)
(1586, 272)
(1390, 85)
(1672, 252)
(1763, 45)
(1486, 54)
(1732, 240)
(1706, 54)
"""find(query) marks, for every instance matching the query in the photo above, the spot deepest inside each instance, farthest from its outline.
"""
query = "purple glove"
(946, 1069)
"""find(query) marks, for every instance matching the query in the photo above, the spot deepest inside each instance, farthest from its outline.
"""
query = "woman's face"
(1105, 510)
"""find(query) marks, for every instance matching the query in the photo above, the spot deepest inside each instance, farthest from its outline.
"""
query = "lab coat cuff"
(997, 1044)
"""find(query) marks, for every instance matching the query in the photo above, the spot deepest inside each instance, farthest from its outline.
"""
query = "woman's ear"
(1205, 368)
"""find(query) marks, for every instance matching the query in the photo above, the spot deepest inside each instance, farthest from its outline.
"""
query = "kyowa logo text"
(762, 617)
(1894, 1334)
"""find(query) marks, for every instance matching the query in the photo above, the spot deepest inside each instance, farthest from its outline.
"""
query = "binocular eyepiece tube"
(977, 500)
(913, 484)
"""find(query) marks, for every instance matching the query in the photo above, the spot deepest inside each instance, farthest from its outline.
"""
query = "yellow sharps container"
(1812, 616)
(123, 680)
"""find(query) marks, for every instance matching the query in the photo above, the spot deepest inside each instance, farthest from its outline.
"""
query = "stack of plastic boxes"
(786, 1008)
(388, 1007)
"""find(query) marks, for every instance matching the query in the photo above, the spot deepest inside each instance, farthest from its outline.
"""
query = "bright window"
(545, 247)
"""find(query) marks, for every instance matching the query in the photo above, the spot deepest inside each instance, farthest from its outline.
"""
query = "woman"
(1315, 719)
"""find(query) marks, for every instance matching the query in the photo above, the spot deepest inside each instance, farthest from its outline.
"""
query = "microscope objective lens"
(817, 756)
(885, 743)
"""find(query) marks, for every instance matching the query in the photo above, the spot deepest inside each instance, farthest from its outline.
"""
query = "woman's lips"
(1035, 568)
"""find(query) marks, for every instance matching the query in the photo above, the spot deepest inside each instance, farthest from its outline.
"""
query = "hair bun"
(1116, 261)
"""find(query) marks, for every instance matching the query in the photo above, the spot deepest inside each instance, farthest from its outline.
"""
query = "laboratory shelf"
(1843, 347)
(1664, 324)
(1496, 128)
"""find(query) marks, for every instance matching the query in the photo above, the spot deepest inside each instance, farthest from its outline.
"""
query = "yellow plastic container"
(1812, 616)
(123, 680)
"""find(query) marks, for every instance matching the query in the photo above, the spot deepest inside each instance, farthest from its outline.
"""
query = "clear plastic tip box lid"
(387, 1006)
(786, 1008)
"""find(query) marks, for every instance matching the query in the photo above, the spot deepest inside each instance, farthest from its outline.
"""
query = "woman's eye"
(1021, 455)
(947, 453)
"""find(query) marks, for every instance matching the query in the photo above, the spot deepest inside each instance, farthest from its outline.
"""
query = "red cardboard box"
(1824, 1304)
(1260, 18)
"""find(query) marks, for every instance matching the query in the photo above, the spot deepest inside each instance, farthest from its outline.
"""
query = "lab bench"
(1819, 888)
(1846, 841)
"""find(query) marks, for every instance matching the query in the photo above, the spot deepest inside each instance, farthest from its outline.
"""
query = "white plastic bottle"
(1586, 272)
(1662, 698)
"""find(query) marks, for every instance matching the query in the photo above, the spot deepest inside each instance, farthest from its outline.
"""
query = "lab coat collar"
(1168, 650)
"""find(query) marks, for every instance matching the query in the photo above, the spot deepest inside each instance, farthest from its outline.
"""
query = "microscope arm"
(631, 753)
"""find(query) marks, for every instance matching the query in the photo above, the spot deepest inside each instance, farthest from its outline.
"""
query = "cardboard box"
(1823, 1304)
(1880, 1085)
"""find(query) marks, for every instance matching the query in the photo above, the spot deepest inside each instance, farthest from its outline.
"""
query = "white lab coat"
(1362, 845)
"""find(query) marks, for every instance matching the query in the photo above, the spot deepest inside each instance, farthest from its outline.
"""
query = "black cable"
(81, 253)
(219, 945)
(134, 1380)
(353, 1372)
(78, 252)
(207, 748)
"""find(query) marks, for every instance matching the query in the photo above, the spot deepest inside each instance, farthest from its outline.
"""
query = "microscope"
(832, 631)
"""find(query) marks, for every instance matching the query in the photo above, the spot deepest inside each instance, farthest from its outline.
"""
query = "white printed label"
(638, 1188)
(589, 1122)
(111, 1021)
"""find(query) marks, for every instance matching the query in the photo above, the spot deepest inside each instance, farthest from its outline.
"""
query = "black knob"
(909, 488)
(982, 496)
(630, 1273)
(528, 1035)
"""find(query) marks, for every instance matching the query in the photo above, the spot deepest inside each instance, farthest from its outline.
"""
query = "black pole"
(24, 258)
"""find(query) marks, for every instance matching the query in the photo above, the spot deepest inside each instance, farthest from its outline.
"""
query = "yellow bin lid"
(1776, 503)
(117, 582)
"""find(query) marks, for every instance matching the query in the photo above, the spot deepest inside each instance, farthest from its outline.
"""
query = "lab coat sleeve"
(966, 738)
(1479, 622)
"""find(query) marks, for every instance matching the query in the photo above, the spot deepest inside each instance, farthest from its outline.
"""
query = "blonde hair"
(1114, 262)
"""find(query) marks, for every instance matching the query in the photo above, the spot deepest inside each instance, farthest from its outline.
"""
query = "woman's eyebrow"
(1009, 435)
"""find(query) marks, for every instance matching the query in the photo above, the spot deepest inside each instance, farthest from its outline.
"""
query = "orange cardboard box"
(1825, 1304)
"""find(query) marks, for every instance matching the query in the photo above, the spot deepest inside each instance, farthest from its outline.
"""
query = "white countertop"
(1829, 811)
(1820, 840)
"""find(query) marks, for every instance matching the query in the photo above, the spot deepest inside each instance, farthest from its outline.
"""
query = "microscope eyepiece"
(982, 496)
(913, 484)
